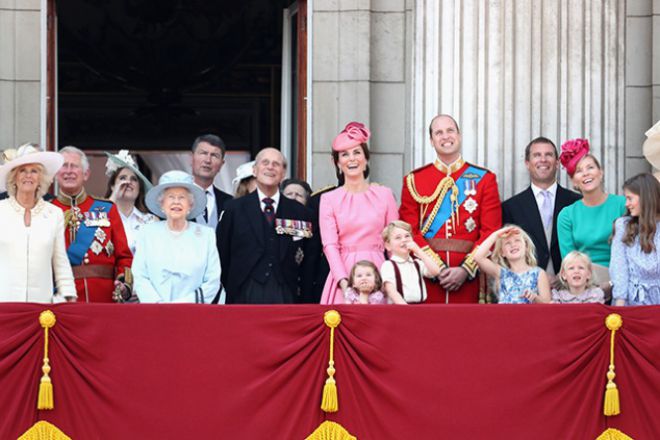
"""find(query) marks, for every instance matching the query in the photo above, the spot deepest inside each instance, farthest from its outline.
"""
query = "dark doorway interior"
(153, 74)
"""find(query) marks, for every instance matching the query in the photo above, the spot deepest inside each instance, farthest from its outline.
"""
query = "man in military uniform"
(95, 238)
(452, 206)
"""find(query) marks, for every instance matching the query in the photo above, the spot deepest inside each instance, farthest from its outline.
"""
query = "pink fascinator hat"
(353, 135)
(571, 153)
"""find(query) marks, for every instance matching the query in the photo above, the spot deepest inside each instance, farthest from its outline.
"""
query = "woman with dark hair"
(127, 187)
(296, 189)
(586, 225)
(635, 268)
(352, 216)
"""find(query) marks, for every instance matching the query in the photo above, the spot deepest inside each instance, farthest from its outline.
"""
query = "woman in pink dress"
(352, 217)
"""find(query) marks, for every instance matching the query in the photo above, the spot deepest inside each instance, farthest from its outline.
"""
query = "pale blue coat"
(171, 268)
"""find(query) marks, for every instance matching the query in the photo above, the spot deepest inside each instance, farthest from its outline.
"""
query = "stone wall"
(508, 70)
(360, 72)
(19, 72)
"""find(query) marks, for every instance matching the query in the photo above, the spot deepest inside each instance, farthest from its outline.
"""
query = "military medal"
(100, 235)
(470, 205)
(300, 255)
(103, 220)
(296, 228)
(96, 247)
(470, 187)
(470, 224)
(109, 248)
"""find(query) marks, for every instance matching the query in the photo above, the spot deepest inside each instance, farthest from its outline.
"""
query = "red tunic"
(111, 250)
(475, 219)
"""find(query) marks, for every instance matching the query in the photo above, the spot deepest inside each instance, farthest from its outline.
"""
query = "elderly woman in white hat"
(244, 182)
(32, 249)
(127, 188)
(176, 261)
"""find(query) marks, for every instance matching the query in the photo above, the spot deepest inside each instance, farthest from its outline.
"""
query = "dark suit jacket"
(221, 199)
(241, 241)
(523, 211)
(320, 268)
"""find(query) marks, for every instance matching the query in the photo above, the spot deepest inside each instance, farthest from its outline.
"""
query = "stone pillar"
(20, 72)
(359, 72)
(512, 70)
(640, 62)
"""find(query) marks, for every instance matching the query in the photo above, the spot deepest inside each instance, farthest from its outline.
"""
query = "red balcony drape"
(403, 372)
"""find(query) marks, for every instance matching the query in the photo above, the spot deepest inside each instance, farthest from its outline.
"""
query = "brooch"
(470, 205)
(470, 224)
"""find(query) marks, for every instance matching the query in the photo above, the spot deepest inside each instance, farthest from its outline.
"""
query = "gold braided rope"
(422, 200)
(447, 183)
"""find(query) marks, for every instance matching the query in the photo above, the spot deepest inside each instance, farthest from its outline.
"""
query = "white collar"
(552, 189)
(262, 196)
(398, 259)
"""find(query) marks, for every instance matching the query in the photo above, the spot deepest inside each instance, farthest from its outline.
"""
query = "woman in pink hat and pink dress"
(352, 217)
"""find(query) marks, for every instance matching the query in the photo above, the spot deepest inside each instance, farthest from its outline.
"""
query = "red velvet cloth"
(250, 372)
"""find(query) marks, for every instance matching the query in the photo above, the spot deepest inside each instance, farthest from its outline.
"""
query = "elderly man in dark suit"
(263, 239)
(535, 209)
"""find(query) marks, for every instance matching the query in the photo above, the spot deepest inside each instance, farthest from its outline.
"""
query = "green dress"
(588, 228)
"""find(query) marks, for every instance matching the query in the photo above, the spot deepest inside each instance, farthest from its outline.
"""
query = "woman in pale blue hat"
(176, 261)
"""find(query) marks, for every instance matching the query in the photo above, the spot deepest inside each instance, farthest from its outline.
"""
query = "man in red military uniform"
(452, 206)
(95, 238)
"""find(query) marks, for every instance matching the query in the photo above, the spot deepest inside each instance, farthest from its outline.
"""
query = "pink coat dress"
(350, 225)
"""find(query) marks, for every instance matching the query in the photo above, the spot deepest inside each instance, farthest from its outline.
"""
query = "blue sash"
(85, 235)
(470, 173)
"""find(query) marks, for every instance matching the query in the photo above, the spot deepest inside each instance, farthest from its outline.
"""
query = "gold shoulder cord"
(446, 184)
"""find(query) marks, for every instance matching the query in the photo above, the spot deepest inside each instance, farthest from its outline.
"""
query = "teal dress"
(588, 228)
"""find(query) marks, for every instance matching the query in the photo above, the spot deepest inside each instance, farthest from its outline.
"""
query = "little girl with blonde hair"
(513, 267)
(577, 279)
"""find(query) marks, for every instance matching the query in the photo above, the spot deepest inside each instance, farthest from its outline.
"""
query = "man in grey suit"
(536, 209)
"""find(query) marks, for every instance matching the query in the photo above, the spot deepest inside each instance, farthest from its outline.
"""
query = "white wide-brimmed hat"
(123, 159)
(26, 154)
(243, 171)
(176, 179)
(651, 147)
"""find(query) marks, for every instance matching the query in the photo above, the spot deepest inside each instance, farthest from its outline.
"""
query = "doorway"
(151, 75)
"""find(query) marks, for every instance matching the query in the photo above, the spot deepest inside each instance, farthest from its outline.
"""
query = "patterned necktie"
(547, 208)
(269, 211)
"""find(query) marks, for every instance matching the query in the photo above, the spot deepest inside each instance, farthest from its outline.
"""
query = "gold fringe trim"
(613, 434)
(470, 265)
(329, 401)
(45, 398)
(611, 405)
(431, 253)
(330, 431)
(43, 430)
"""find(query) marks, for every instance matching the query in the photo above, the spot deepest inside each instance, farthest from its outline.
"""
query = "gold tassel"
(45, 400)
(330, 431)
(611, 405)
(43, 430)
(329, 402)
(613, 434)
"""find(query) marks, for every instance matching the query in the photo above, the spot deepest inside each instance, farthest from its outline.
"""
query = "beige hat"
(25, 154)
(651, 147)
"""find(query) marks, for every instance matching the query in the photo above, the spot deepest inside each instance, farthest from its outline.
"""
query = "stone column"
(359, 72)
(20, 72)
(512, 70)
(640, 62)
